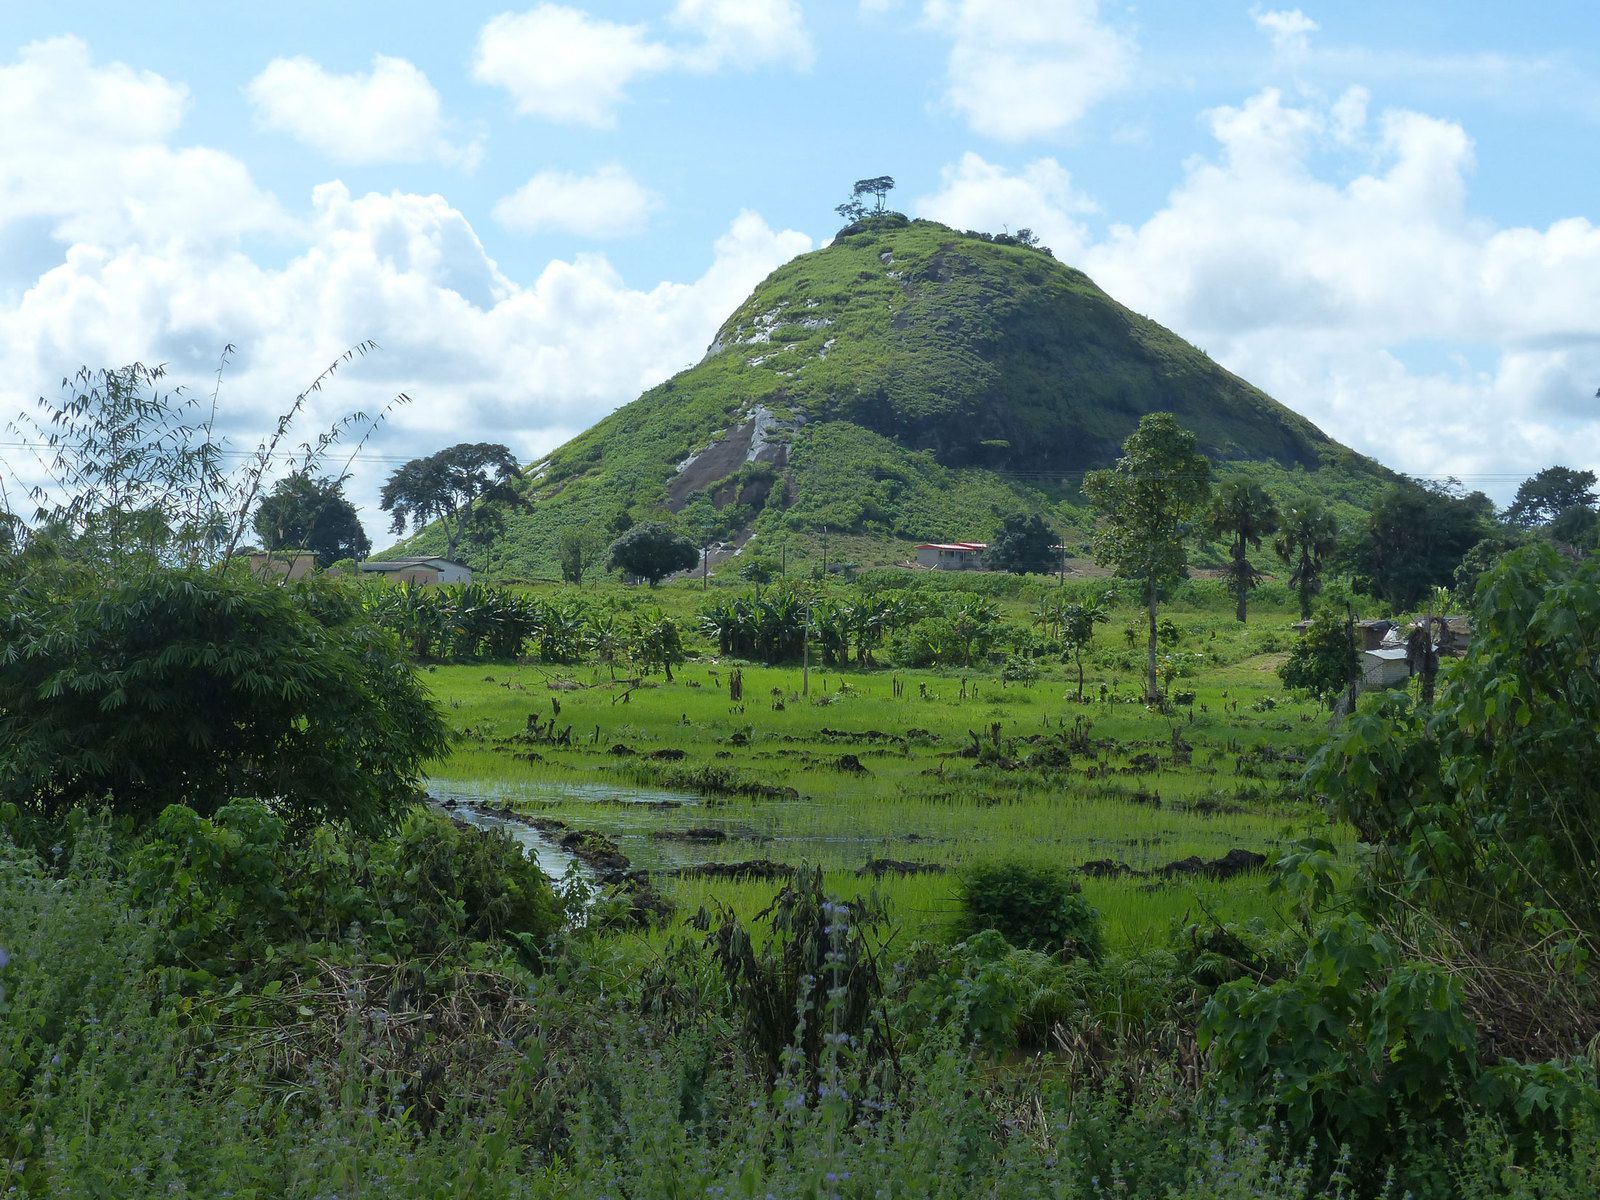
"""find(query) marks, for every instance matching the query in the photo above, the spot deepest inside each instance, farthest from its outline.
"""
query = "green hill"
(908, 382)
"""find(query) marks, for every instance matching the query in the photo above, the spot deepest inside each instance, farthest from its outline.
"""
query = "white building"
(432, 569)
(951, 556)
(1384, 668)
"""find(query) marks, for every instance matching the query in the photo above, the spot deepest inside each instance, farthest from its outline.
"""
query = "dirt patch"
(754, 868)
(879, 867)
(696, 834)
(1234, 862)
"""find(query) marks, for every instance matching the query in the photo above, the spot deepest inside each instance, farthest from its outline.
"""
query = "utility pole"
(705, 567)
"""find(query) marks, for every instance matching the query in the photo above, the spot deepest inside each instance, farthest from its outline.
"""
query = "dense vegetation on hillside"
(911, 382)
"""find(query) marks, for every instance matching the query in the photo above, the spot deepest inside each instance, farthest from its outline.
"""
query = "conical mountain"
(908, 382)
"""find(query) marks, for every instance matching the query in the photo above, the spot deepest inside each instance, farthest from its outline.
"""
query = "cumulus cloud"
(1337, 294)
(1289, 28)
(85, 155)
(975, 194)
(145, 269)
(1029, 68)
(561, 64)
(744, 33)
(610, 202)
(389, 114)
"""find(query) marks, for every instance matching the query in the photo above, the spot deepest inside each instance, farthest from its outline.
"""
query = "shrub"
(1034, 906)
(195, 687)
(231, 890)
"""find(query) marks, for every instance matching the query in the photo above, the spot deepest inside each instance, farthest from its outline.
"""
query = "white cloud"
(975, 194)
(744, 33)
(561, 64)
(390, 114)
(610, 202)
(84, 151)
(1029, 68)
(1336, 294)
(1289, 28)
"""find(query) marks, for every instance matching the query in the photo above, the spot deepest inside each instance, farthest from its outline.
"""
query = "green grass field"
(917, 766)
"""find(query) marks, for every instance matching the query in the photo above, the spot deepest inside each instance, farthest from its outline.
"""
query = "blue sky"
(1383, 214)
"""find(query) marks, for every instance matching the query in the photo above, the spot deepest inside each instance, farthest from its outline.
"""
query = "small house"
(1384, 668)
(425, 570)
(281, 564)
(951, 556)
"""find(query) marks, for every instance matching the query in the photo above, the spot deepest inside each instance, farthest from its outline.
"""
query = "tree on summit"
(855, 208)
(455, 487)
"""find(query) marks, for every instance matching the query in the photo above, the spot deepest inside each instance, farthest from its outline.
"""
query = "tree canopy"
(653, 551)
(302, 512)
(1414, 539)
(1147, 504)
(196, 687)
(1022, 545)
(1543, 497)
(458, 487)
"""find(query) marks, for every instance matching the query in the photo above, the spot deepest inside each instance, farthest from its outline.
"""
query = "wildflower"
(4, 957)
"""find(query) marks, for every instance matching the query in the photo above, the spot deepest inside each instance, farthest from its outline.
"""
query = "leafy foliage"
(1146, 505)
(1033, 906)
(457, 487)
(1552, 492)
(1487, 807)
(1323, 660)
(228, 888)
(1021, 545)
(311, 514)
(1414, 539)
(194, 687)
(653, 551)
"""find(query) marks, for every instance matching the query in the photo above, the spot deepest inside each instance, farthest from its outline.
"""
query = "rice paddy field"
(894, 779)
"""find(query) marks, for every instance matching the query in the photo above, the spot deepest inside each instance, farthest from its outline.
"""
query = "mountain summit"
(907, 382)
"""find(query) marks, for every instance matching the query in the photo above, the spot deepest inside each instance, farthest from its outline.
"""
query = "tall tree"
(577, 551)
(878, 187)
(1077, 631)
(653, 551)
(1022, 544)
(457, 487)
(303, 513)
(1415, 538)
(1307, 538)
(1545, 496)
(1242, 514)
(1147, 503)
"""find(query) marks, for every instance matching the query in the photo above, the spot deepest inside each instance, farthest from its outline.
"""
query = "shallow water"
(549, 857)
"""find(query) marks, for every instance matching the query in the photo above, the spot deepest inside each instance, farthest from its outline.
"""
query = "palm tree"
(1308, 538)
(1241, 513)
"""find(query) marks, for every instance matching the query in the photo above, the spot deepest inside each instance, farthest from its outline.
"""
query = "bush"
(1033, 906)
(232, 891)
(196, 687)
